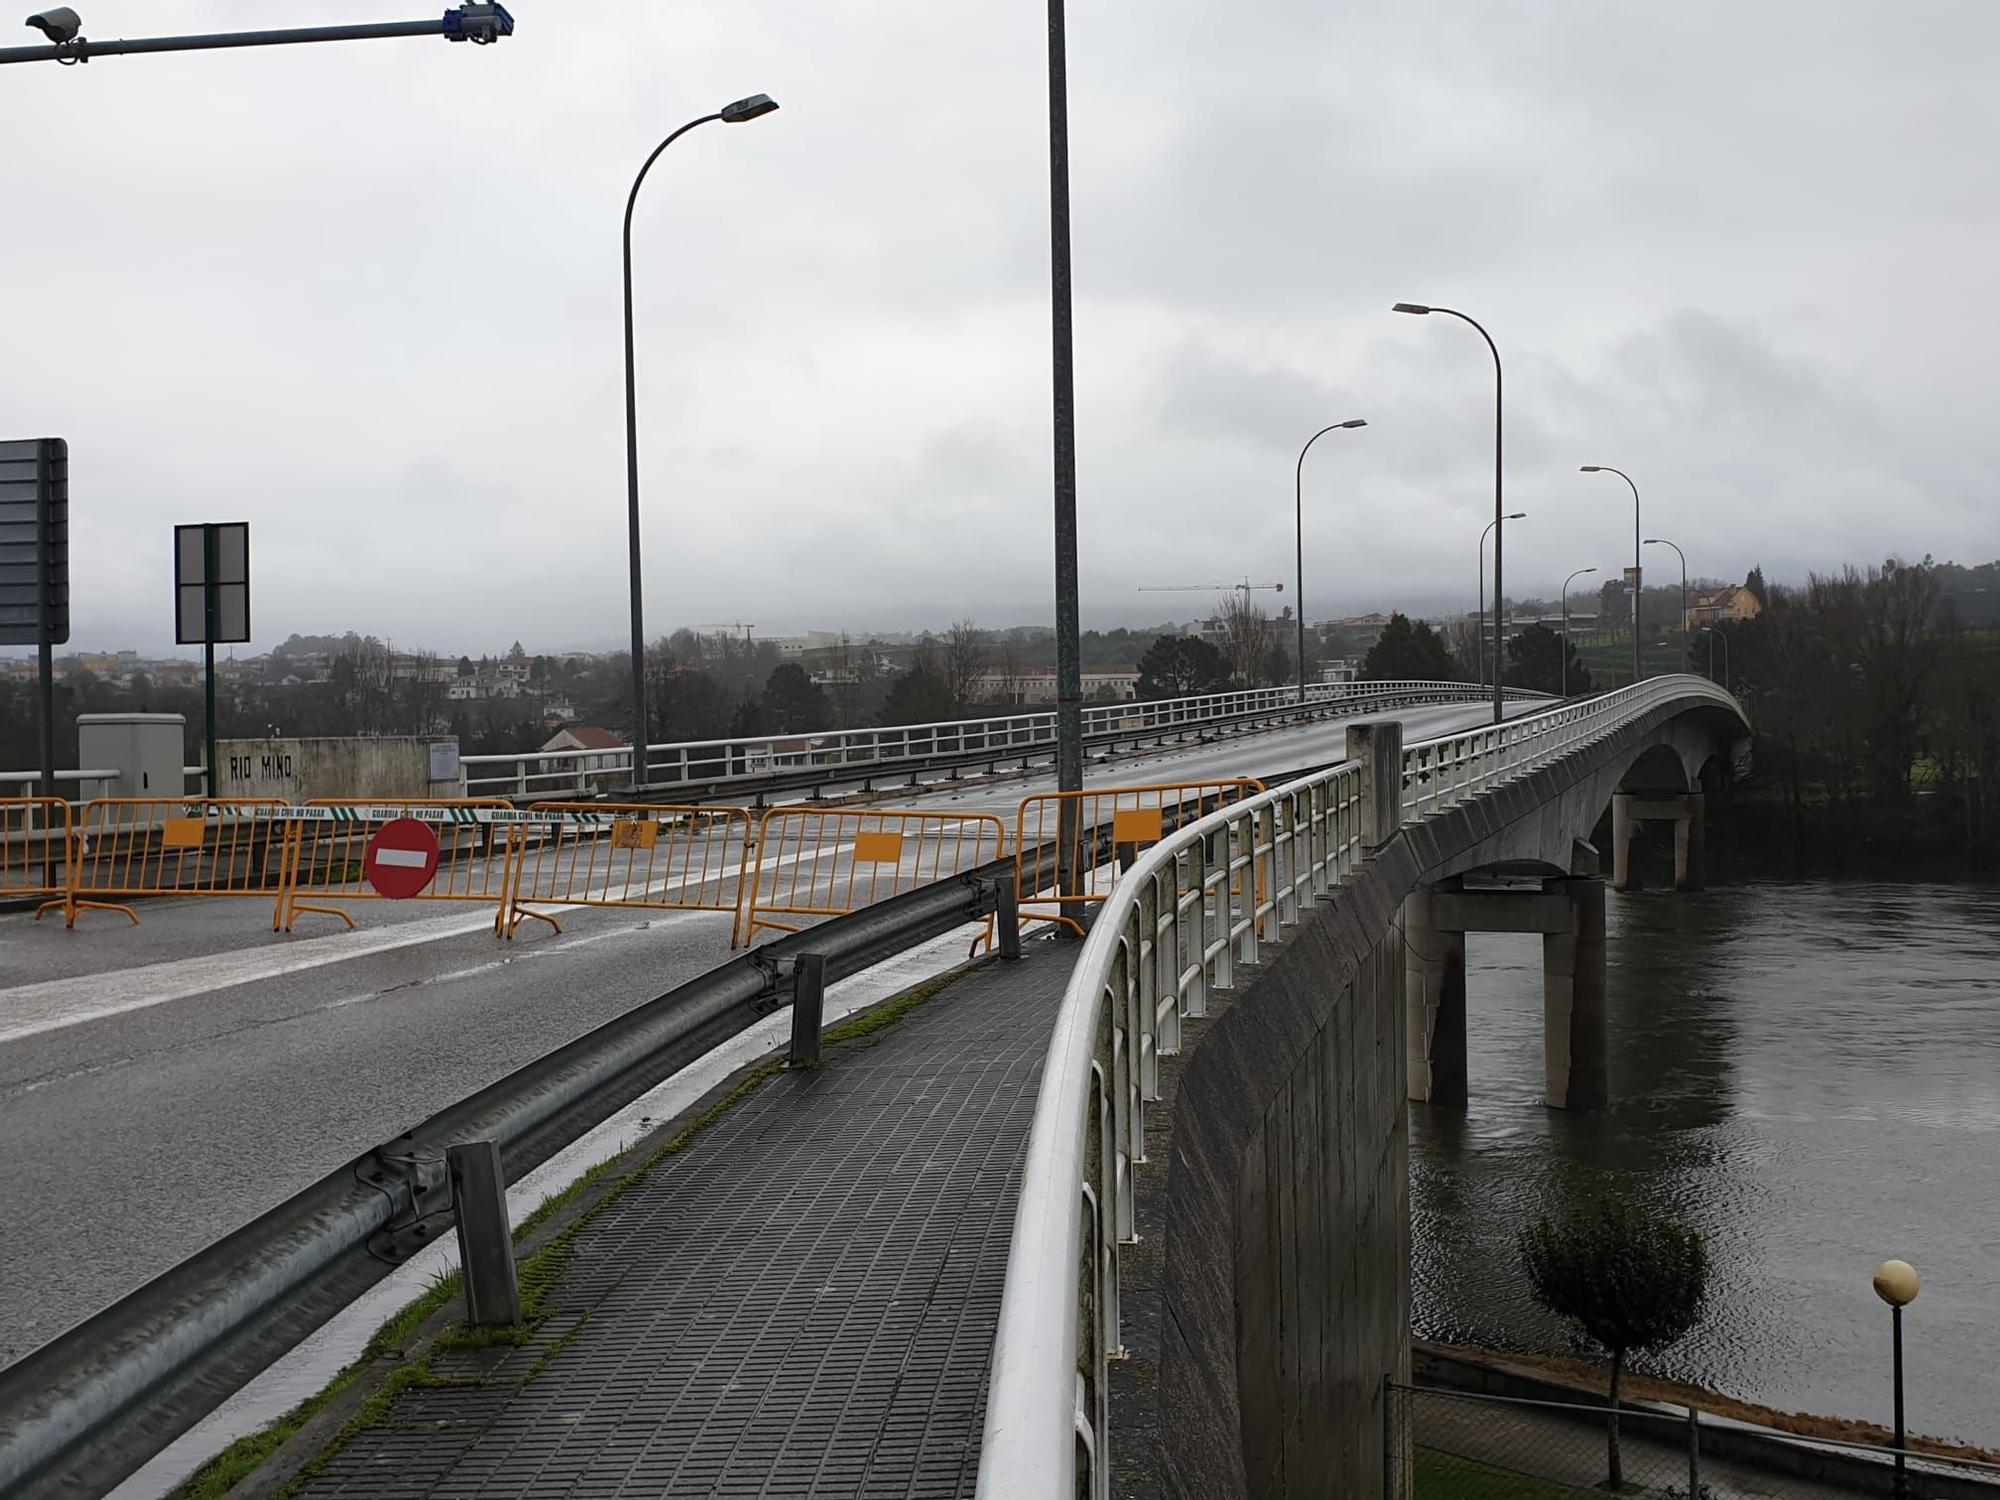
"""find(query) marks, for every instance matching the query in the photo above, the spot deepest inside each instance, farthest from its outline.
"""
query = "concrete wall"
(1282, 1239)
(1287, 1235)
(392, 766)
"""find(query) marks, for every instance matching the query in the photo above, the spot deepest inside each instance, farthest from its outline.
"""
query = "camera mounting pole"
(463, 23)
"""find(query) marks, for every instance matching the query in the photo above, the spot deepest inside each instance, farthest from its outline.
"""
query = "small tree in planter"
(1631, 1280)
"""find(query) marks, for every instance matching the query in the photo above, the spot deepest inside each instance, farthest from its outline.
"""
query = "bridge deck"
(800, 1302)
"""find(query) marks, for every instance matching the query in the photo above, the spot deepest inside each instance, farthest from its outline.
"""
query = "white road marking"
(409, 859)
(53, 1004)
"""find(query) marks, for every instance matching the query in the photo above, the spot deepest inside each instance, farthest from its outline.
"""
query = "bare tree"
(1010, 673)
(1248, 637)
(962, 657)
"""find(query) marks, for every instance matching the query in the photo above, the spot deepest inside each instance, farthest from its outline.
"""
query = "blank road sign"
(34, 539)
(232, 583)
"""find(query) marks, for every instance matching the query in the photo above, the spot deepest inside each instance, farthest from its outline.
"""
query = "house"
(1732, 602)
(582, 737)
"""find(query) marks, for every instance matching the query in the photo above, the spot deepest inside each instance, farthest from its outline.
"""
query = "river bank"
(1808, 1072)
(1590, 1379)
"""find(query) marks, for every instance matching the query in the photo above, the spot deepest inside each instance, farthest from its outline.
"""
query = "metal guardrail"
(88, 1408)
(823, 756)
(83, 781)
(1173, 928)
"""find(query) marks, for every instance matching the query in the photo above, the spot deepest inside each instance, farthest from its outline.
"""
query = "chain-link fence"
(1456, 1445)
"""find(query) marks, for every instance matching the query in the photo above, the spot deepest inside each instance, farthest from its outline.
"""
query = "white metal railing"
(1173, 928)
(584, 773)
(88, 784)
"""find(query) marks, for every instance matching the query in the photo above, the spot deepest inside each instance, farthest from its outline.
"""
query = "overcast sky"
(366, 296)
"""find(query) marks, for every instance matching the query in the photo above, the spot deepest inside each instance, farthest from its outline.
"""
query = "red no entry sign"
(401, 858)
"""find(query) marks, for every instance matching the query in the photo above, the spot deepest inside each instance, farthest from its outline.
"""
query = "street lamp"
(1896, 1284)
(1660, 541)
(1299, 519)
(481, 23)
(1566, 583)
(1638, 573)
(729, 114)
(1479, 634)
(1715, 635)
(1499, 643)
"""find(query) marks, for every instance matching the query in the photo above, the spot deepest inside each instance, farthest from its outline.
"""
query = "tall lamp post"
(1566, 583)
(1069, 642)
(1479, 635)
(1896, 1284)
(1499, 642)
(1299, 519)
(1638, 573)
(1715, 635)
(729, 114)
(1660, 541)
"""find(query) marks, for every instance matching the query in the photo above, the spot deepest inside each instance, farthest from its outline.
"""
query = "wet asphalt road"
(160, 1085)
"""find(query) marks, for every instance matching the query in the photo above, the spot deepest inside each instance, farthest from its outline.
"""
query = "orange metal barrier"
(1137, 815)
(34, 848)
(172, 846)
(640, 855)
(329, 841)
(826, 862)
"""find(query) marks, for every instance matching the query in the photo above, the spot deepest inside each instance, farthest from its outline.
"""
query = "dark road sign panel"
(231, 543)
(34, 540)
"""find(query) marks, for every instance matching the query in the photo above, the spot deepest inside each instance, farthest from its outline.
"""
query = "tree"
(961, 660)
(918, 696)
(465, 666)
(1630, 1279)
(1181, 666)
(1535, 659)
(1247, 638)
(1753, 583)
(1406, 652)
(793, 703)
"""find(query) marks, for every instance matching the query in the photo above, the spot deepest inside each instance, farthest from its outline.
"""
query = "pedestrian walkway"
(801, 1302)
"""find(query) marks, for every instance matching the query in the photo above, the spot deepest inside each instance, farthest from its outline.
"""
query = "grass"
(1445, 1476)
(538, 1274)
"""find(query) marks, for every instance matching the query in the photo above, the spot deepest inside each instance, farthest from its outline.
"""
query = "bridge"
(1122, 1216)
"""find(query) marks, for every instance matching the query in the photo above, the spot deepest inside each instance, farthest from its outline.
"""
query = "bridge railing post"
(1377, 745)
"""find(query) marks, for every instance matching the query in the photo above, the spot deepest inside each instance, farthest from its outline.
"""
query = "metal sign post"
(34, 566)
(211, 604)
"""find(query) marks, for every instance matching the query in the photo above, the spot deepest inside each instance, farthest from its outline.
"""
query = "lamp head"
(1410, 307)
(747, 109)
(58, 25)
(1519, 515)
(1654, 541)
(1357, 422)
(1896, 1282)
(1592, 469)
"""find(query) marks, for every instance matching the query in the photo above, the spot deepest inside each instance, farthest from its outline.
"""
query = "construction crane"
(1244, 588)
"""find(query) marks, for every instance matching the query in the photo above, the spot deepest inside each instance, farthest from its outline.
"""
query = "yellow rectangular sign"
(181, 833)
(635, 835)
(1136, 825)
(878, 848)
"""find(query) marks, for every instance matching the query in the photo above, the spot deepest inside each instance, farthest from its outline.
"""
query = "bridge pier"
(1434, 986)
(1568, 912)
(1689, 814)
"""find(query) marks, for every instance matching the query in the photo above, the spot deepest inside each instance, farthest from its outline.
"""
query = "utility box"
(148, 751)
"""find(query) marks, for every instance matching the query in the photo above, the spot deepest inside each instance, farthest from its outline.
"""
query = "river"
(1807, 1072)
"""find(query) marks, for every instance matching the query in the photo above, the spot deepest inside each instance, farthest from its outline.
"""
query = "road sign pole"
(208, 571)
(45, 655)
